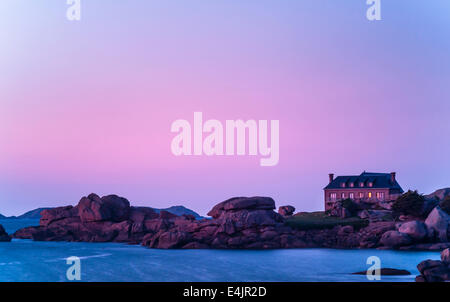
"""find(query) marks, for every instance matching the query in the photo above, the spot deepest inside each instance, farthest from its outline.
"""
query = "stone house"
(367, 187)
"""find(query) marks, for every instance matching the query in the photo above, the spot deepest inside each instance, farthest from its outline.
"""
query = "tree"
(350, 205)
(410, 203)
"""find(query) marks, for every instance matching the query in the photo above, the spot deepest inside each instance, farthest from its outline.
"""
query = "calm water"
(25, 260)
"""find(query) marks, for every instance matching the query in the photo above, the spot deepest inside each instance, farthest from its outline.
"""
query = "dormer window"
(371, 184)
(352, 185)
(343, 184)
(361, 184)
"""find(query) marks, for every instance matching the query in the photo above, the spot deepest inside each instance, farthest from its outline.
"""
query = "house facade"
(368, 187)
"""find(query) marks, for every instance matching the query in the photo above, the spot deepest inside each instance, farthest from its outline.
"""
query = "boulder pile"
(237, 223)
(433, 233)
(248, 223)
(95, 219)
(435, 270)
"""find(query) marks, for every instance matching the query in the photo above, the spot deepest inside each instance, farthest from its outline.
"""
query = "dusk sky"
(87, 106)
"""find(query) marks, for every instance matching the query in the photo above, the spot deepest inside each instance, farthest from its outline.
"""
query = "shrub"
(410, 203)
(320, 221)
(350, 205)
(445, 204)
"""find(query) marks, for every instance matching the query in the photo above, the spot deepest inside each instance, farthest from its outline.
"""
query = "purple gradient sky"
(87, 106)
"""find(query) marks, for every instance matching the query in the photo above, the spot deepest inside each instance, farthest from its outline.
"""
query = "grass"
(319, 221)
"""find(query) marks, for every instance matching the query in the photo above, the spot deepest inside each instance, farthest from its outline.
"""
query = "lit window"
(371, 184)
(333, 196)
(361, 184)
(352, 195)
(352, 185)
(369, 195)
(343, 184)
(380, 195)
(343, 195)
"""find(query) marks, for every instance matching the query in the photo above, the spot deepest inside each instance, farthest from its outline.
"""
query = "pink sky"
(87, 106)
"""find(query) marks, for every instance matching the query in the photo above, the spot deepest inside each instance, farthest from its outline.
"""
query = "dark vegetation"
(410, 203)
(319, 221)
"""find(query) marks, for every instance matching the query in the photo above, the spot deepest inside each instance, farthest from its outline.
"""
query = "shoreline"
(229, 249)
(237, 223)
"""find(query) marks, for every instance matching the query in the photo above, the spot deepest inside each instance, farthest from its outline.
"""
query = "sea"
(30, 261)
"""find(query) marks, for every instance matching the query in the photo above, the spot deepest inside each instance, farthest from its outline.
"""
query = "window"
(380, 195)
(343, 184)
(361, 195)
(371, 184)
(352, 195)
(361, 184)
(352, 185)
(369, 195)
(333, 196)
(343, 195)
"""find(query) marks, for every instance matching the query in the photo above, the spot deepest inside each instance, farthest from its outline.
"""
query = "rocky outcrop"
(416, 230)
(371, 235)
(435, 270)
(94, 219)
(439, 194)
(439, 222)
(3, 235)
(432, 234)
(338, 210)
(365, 210)
(286, 211)
(394, 239)
(242, 203)
(375, 215)
(237, 223)
(109, 208)
(240, 222)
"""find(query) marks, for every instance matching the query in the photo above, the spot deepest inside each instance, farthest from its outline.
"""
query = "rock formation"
(237, 223)
(241, 222)
(286, 211)
(439, 194)
(439, 221)
(435, 270)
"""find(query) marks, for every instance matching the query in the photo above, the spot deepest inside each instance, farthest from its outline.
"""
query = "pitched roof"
(378, 180)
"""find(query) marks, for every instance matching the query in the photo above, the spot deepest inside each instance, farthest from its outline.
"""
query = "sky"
(87, 106)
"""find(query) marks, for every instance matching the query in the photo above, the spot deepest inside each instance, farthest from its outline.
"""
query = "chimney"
(331, 176)
(393, 177)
